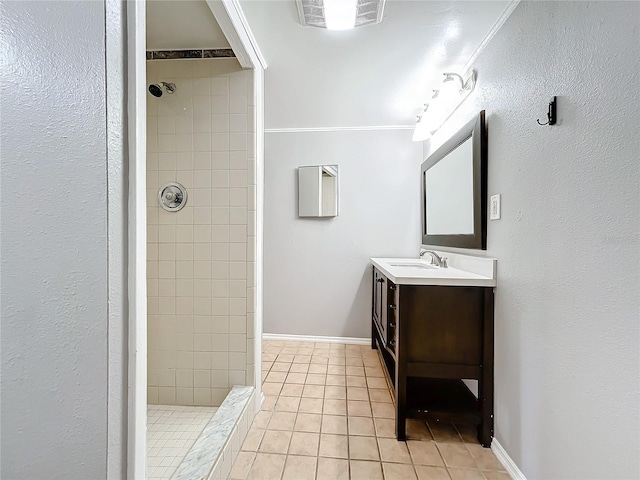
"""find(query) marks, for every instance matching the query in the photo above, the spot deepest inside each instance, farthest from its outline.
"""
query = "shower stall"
(201, 260)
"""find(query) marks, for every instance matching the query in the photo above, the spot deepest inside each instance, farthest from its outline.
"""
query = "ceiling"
(182, 25)
(372, 75)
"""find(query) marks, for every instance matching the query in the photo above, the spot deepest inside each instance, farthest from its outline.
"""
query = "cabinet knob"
(392, 287)
(392, 325)
(392, 307)
(392, 343)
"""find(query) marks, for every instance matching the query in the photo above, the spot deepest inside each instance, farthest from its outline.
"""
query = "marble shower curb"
(215, 450)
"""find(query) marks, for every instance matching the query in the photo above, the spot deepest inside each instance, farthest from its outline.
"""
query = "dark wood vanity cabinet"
(430, 338)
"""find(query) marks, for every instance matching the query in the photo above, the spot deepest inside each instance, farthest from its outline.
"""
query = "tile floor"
(171, 432)
(328, 414)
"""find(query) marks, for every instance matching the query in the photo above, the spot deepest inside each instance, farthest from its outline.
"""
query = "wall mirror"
(318, 191)
(454, 190)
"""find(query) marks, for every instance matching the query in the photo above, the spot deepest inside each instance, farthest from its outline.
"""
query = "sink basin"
(412, 265)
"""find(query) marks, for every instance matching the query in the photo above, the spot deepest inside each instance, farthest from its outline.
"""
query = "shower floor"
(171, 432)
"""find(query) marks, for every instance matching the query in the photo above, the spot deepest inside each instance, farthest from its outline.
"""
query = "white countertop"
(463, 270)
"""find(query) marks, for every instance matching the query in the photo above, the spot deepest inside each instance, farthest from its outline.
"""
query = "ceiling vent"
(340, 14)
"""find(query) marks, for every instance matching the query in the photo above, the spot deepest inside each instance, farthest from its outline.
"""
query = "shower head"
(156, 88)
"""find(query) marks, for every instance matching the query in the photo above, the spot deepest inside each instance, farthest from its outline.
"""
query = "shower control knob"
(172, 196)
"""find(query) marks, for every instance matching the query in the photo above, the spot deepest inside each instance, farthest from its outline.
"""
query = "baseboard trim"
(506, 461)
(314, 338)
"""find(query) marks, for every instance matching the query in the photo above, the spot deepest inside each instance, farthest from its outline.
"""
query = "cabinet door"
(380, 300)
(392, 314)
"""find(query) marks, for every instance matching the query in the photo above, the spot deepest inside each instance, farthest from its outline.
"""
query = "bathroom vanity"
(434, 327)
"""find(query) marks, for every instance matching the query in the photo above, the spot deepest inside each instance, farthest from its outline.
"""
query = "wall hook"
(551, 114)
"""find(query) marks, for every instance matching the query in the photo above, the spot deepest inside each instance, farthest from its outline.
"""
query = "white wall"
(567, 304)
(201, 260)
(56, 281)
(317, 275)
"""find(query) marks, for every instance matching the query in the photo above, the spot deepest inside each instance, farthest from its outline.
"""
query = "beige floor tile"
(299, 468)
(275, 441)
(336, 361)
(313, 391)
(485, 458)
(336, 424)
(285, 357)
(355, 371)
(335, 392)
(362, 426)
(299, 368)
(385, 427)
(364, 470)
(354, 362)
(271, 388)
(417, 430)
(287, 404)
(496, 475)
(380, 395)
(252, 440)
(466, 474)
(282, 421)
(315, 379)
(359, 408)
(334, 446)
(280, 367)
(335, 369)
(276, 377)
(383, 410)
(267, 466)
(310, 405)
(320, 359)
(393, 451)
(444, 432)
(337, 380)
(335, 407)
(291, 390)
(376, 382)
(456, 455)
(316, 368)
(425, 453)
(296, 378)
(269, 402)
(302, 359)
(468, 432)
(332, 469)
(303, 443)
(431, 473)
(242, 465)
(353, 381)
(261, 420)
(363, 448)
(308, 422)
(395, 471)
(357, 393)
(373, 372)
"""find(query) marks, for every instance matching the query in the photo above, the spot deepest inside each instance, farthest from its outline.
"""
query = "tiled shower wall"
(201, 260)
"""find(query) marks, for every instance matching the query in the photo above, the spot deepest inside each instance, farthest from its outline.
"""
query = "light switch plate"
(494, 208)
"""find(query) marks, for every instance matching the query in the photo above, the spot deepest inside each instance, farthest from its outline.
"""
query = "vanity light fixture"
(443, 103)
(340, 14)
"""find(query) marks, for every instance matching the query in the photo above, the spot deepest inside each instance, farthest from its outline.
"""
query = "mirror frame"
(475, 128)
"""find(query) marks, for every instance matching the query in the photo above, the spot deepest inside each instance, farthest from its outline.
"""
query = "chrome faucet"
(435, 258)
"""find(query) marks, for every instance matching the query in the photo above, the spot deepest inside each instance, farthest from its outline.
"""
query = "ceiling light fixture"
(340, 14)
(443, 103)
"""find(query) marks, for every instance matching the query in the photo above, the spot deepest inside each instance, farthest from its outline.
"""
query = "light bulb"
(340, 14)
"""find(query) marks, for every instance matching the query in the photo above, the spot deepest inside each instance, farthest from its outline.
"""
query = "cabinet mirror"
(318, 191)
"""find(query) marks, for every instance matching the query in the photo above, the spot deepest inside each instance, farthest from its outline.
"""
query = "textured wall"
(567, 303)
(316, 270)
(54, 241)
(201, 260)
